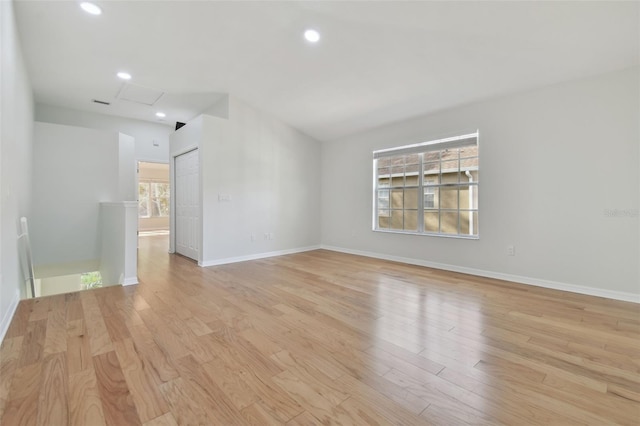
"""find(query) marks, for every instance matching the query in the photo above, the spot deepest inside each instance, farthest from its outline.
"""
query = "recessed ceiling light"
(91, 8)
(161, 114)
(124, 75)
(312, 36)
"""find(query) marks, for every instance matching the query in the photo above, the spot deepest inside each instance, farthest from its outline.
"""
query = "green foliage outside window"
(91, 280)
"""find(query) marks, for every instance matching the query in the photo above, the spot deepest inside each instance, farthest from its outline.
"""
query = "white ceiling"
(376, 63)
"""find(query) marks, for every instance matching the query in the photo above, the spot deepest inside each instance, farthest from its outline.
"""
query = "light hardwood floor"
(318, 338)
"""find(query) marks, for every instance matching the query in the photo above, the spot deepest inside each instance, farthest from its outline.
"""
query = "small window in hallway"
(91, 280)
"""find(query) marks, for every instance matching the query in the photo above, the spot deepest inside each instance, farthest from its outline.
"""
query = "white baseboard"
(256, 256)
(609, 294)
(8, 315)
(130, 281)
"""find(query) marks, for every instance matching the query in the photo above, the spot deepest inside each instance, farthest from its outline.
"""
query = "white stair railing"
(27, 259)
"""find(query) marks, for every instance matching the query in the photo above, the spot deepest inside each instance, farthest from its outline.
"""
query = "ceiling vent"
(139, 94)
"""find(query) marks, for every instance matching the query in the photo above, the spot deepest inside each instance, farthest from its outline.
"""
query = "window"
(91, 280)
(153, 199)
(429, 188)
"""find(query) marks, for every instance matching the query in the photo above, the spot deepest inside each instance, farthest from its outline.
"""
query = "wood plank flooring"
(318, 338)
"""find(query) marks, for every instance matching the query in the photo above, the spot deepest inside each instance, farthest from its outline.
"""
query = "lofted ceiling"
(376, 62)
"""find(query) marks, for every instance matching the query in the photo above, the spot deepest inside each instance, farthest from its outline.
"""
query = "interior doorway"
(154, 198)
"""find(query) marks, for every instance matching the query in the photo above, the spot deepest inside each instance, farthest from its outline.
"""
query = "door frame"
(138, 190)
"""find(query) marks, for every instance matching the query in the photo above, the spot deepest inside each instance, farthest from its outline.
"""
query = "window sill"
(425, 234)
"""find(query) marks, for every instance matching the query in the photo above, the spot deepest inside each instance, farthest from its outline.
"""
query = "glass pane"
(143, 199)
(464, 222)
(431, 168)
(469, 151)
(411, 174)
(396, 219)
(431, 221)
(429, 200)
(383, 221)
(411, 180)
(383, 199)
(397, 160)
(397, 176)
(469, 223)
(449, 154)
(397, 198)
(383, 182)
(475, 224)
(449, 222)
(160, 199)
(431, 197)
(411, 220)
(450, 171)
(384, 162)
(469, 163)
(431, 156)
(412, 159)
(448, 197)
(383, 172)
(411, 198)
(468, 197)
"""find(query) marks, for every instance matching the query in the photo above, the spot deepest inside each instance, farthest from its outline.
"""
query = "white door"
(186, 193)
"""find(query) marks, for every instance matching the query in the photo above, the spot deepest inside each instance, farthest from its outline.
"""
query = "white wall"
(119, 242)
(75, 169)
(271, 175)
(127, 164)
(16, 141)
(144, 132)
(219, 109)
(552, 161)
(58, 285)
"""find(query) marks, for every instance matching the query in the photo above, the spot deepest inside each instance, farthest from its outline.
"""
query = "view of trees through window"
(91, 280)
(153, 199)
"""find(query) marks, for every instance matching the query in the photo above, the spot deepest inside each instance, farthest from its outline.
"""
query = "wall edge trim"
(224, 261)
(8, 316)
(130, 281)
(520, 279)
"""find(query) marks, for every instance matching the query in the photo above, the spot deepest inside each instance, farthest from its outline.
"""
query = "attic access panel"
(139, 94)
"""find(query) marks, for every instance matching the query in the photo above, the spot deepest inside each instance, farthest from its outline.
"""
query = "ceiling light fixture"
(124, 75)
(312, 36)
(161, 114)
(91, 8)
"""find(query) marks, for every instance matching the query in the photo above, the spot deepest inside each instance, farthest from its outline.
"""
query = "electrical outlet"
(253, 237)
(266, 235)
(511, 250)
(271, 235)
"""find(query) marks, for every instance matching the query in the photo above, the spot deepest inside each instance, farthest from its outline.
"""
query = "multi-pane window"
(153, 199)
(428, 188)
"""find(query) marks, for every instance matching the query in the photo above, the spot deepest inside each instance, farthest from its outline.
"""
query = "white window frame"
(424, 188)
